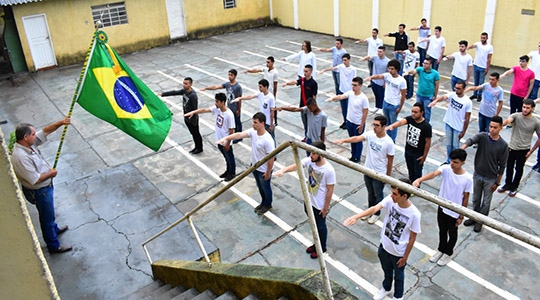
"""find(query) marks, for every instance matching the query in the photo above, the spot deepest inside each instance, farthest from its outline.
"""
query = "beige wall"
(71, 27)
(513, 34)
(207, 14)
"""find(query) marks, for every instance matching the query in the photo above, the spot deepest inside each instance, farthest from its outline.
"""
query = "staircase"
(157, 290)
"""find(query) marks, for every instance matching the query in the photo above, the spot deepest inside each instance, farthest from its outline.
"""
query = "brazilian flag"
(112, 92)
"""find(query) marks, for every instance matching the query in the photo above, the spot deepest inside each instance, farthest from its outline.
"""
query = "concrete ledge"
(263, 281)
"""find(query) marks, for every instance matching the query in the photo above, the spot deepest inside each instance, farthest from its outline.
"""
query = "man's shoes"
(477, 227)
(236, 141)
(264, 209)
(354, 160)
(343, 126)
(369, 86)
(479, 99)
(373, 219)
(62, 229)
(381, 294)
(223, 175)
(373, 109)
(512, 193)
(435, 257)
(536, 167)
(473, 97)
(303, 140)
(196, 151)
(394, 298)
(503, 189)
(310, 249)
(61, 249)
(444, 260)
(314, 254)
(444, 163)
(364, 218)
(229, 177)
(191, 151)
(469, 222)
(379, 111)
(257, 207)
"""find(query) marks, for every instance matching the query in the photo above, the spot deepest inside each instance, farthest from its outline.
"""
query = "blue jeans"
(335, 75)
(410, 85)
(413, 166)
(237, 122)
(534, 92)
(321, 226)
(344, 105)
(264, 186)
(229, 158)
(44, 201)
(426, 101)
(370, 67)
(389, 112)
(434, 64)
(483, 123)
(356, 148)
(392, 272)
(401, 58)
(479, 78)
(378, 91)
(455, 80)
(375, 190)
(452, 140)
(422, 52)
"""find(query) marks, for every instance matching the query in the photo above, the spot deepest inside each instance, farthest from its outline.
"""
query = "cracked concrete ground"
(114, 193)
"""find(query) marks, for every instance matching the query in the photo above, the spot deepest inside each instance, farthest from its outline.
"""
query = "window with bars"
(229, 4)
(110, 14)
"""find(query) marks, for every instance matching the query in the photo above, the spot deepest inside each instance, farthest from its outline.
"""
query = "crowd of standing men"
(392, 82)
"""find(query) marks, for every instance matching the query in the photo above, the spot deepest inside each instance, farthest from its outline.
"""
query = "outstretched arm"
(54, 126)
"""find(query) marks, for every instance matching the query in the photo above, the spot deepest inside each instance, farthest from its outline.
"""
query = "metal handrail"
(488, 221)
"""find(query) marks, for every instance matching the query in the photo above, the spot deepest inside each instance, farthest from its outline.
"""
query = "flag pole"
(76, 94)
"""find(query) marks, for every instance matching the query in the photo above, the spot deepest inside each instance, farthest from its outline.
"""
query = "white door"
(175, 16)
(39, 41)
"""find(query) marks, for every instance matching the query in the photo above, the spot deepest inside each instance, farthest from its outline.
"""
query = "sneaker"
(236, 141)
(229, 177)
(310, 249)
(369, 86)
(364, 218)
(264, 209)
(512, 193)
(379, 111)
(343, 126)
(435, 258)
(223, 175)
(444, 163)
(381, 294)
(445, 259)
(536, 167)
(257, 207)
(373, 109)
(394, 298)
(479, 99)
(477, 227)
(373, 219)
(469, 222)
(475, 146)
(354, 160)
(503, 189)
(303, 140)
(508, 126)
(314, 254)
(473, 97)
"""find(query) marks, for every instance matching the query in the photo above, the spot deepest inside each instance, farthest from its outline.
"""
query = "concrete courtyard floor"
(115, 193)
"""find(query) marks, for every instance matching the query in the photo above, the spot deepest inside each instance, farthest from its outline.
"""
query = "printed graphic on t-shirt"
(413, 136)
(314, 180)
(230, 94)
(265, 106)
(392, 84)
(456, 105)
(375, 147)
(219, 121)
(395, 226)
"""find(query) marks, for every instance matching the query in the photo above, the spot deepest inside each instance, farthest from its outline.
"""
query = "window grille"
(229, 4)
(110, 14)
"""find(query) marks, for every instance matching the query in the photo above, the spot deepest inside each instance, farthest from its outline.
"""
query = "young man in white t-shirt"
(261, 145)
(379, 158)
(272, 75)
(224, 125)
(373, 44)
(456, 186)
(346, 74)
(412, 59)
(463, 62)
(435, 48)
(321, 178)
(394, 93)
(400, 228)
(481, 63)
(356, 115)
(457, 116)
(267, 103)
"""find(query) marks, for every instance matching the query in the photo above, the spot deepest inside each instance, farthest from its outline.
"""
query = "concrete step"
(206, 295)
(227, 296)
(187, 295)
(173, 292)
(251, 297)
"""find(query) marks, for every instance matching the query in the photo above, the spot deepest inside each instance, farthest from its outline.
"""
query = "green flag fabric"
(112, 92)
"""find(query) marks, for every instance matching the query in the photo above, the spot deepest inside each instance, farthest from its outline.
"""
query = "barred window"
(229, 4)
(110, 14)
